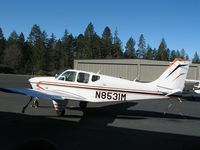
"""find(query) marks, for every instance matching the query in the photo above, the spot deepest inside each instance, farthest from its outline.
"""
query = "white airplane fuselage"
(104, 89)
(94, 87)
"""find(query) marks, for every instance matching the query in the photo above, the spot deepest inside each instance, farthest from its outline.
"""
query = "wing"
(46, 94)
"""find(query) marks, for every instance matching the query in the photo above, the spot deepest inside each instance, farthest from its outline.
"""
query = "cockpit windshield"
(68, 76)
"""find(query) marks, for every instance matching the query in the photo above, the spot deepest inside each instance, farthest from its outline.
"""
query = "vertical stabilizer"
(173, 79)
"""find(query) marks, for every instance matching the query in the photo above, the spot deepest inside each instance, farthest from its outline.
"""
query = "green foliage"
(130, 49)
(106, 47)
(149, 53)
(2, 45)
(40, 54)
(196, 58)
(141, 47)
(117, 46)
(163, 51)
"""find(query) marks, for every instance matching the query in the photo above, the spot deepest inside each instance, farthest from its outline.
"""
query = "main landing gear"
(58, 105)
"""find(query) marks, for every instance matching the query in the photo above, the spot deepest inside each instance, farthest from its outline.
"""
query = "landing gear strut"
(35, 103)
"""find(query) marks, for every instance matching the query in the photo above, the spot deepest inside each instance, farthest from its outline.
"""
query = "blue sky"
(177, 21)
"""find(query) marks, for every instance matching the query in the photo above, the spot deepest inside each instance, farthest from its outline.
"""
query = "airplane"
(196, 88)
(87, 87)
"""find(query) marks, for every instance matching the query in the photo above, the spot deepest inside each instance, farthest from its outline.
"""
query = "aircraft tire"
(83, 105)
(36, 103)
(60, 113)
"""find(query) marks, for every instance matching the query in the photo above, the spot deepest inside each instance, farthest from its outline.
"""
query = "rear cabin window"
(68, 76)
(95, 78)
(83, 77)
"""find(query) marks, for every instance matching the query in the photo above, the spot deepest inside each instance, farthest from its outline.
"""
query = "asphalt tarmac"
(146, 124)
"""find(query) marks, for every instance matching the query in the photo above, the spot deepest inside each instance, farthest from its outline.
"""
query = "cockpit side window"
(95, 78)
(83, 77)
(68, 76)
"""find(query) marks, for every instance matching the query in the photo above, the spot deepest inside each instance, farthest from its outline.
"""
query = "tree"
(130, 49)
(50, 54)
(182, 53)
(37, 41)
(196, 58)
(58, 55)
(89, 31)
(178, 54)
(13, 53)
(79, 46)
(141, 47)
(117, 46)
(25, 51)
(88, 35)
(106, 48)
(2, 45)
(163, 51)
(96, 47)
(67, 50)
(172, 55)
(149, 53)
(154, 53)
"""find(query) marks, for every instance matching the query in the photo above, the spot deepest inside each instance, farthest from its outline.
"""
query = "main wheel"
(60, 112)
(36, 103)
(83, 105)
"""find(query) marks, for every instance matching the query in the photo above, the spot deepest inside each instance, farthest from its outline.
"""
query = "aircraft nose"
(32, 80)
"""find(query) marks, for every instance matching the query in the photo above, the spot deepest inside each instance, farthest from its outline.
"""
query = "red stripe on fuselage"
(96, 87)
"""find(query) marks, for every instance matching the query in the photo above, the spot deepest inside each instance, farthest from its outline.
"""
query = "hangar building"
(143, 70)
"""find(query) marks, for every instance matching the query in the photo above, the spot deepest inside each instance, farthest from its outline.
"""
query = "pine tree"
(154, 53)
(149, 53)
(58, 56)
(89, 34)
(163, 51)
(182, 53)
(178, 54)
(96, 47)
(2, 45)
(141, 47)
(130, 49)
(89, 31)
(106, 48)
(50, 54)
(38, 43)
(79, 48)
(117, 46)
(13, 53)
(25, 50)
(64, 51)
(196, 58)
(172, 55)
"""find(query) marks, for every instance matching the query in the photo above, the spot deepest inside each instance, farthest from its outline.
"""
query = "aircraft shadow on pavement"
(21, 132)
(121, 111)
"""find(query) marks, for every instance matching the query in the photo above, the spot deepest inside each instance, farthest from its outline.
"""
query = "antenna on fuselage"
(137, 78)
(101, 68)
